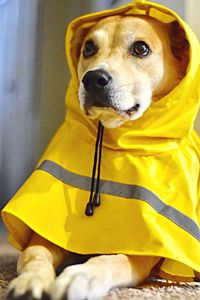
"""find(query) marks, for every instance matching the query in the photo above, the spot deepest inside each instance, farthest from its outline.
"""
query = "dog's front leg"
(93, 279)
(36, 270)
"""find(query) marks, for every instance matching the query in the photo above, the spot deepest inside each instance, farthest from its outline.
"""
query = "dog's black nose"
(96, 81)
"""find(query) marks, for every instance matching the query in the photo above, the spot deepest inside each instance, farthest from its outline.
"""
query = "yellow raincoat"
(150, 189)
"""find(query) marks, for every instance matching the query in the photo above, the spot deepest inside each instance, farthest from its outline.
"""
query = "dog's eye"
(140, 49)
(89, 49)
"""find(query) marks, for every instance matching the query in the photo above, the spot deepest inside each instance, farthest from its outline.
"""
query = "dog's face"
(124, 65)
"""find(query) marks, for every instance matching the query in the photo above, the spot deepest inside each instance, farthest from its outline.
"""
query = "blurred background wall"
(34, 77)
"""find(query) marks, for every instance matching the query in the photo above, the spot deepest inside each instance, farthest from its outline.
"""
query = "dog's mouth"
(94, 110)
(111, 117)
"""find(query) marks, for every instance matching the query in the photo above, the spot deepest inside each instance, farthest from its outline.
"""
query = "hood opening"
(171, 117)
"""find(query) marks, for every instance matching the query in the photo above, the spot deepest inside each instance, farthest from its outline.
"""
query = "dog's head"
(126, 63)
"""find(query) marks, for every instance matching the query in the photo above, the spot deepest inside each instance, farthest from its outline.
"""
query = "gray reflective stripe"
(126, 191)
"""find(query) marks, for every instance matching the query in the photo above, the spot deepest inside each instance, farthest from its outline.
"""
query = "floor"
(159, 290)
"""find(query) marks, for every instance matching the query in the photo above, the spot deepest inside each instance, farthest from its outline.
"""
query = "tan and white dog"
(109, 70)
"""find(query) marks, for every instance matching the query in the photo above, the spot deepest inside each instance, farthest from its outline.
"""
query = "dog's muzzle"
(99, 93)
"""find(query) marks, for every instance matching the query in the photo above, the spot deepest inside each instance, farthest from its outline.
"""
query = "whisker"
(123, 85)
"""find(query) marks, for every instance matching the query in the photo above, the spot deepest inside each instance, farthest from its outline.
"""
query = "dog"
(136, 59)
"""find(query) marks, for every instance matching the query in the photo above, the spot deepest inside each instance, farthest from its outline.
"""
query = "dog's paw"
(27, 286)
(27, 296)
(80, 282)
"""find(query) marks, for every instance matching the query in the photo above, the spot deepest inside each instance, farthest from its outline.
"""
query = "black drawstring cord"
(95, 201)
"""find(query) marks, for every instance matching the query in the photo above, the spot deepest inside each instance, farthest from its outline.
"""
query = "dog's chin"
(111, 118)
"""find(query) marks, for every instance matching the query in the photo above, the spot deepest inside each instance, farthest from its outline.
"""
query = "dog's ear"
(80, 32)
(179, 43)
(76, 44)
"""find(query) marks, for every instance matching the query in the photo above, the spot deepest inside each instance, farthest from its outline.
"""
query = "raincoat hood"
(149, 184)
(173, 116)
